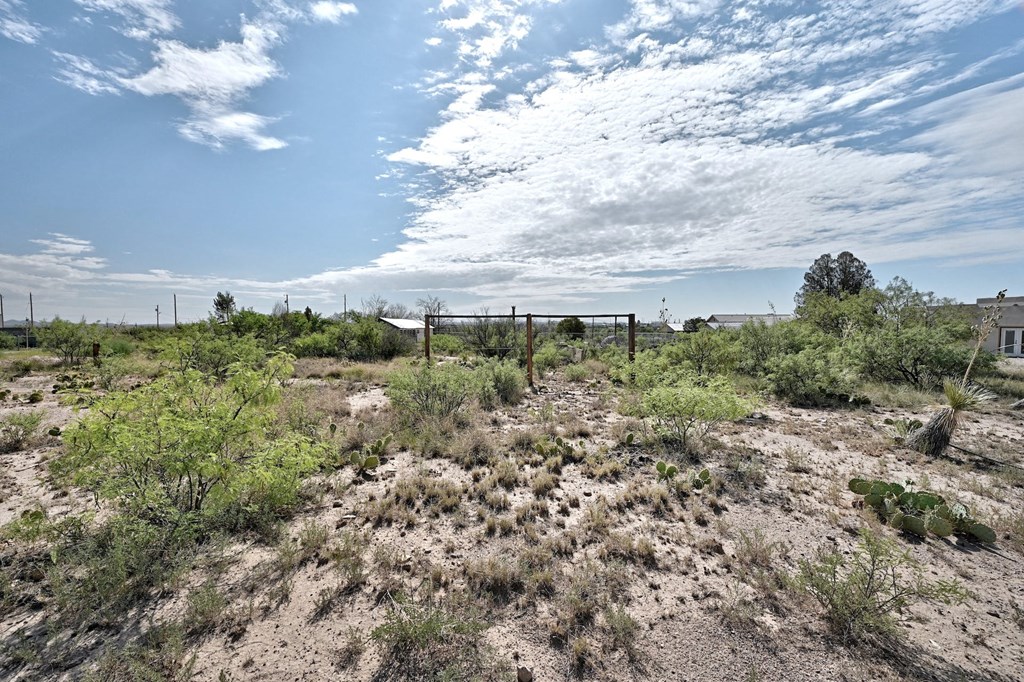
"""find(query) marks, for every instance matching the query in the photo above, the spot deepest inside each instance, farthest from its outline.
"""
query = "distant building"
(1008, 337)
(672, 328)
(412, 328)
(736, 321)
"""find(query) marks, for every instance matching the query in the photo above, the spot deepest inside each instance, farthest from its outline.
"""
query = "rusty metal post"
(529, 349)
(426, 336)
(632, 337)
(96, 352)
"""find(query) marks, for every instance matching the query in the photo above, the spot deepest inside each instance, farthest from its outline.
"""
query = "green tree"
(694, 324)
(223, 306)
(573, 327)
(68, 340)
(835, 277)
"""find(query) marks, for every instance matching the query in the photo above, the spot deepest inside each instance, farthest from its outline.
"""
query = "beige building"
(1008, 337)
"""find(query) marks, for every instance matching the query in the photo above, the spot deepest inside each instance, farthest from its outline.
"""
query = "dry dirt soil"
(557, 560)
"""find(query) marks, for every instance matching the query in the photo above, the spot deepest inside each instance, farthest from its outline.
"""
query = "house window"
(1012, 342)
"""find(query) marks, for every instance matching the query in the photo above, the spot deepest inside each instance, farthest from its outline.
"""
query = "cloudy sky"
(559, 155)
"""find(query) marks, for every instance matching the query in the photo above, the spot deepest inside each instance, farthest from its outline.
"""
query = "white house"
(737, 321)
(1008, 336)
(413, 328)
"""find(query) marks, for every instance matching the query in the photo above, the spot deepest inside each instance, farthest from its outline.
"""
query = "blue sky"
(559, 155)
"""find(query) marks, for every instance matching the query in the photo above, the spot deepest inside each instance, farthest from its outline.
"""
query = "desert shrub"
(375, 341)
(188, 450)
(577, 372)
(159, 656)
(318, 345)
(704, 352)
(69, 341)
(204, 350)
(7, 341)
(841, 316)
(446, 344)
(866, 593)
(810, 377)
(118, 346)
(501, 382)
(686, 409)
(759, 344)
(429, 642)
(16, 429)
(268, 329)
(917, 355)
(432, 392)
(548, 357)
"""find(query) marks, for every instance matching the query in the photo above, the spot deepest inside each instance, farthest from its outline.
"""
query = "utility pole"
(175, 311)
(158, 317)
(31, 318)
(286, 309)
(1, 311)
(344, 307)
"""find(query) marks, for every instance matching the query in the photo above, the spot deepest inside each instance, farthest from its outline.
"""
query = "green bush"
(7, 341)
(704, 352)
(865, 594)
(120, 347)
(810, 378)
(508, 380)
(188, 450)
(16, 429)
(759, 344)
(318, 345)
(375, 341)
(69, 341)
(446, 344)
(433, 392)
(917, 355)
(577, 372)
(549, 356)
(428, 642)
(686, 409)
(205, 350)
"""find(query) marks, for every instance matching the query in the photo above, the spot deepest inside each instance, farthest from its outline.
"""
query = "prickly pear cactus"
(919, 511)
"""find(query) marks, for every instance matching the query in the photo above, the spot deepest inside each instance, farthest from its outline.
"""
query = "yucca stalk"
(961, 395)
(934, 437)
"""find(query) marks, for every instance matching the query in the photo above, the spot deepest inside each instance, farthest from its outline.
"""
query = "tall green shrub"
(188, 450)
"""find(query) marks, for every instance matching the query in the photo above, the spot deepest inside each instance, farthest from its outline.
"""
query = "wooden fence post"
(632, 337)
(426, 336)
(529, 349)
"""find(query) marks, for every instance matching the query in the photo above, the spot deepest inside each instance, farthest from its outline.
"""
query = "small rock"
(524, 675)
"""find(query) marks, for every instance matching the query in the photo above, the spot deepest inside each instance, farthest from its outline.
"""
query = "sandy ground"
(701, 614)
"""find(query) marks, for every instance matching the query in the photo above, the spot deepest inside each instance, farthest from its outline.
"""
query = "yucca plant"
(934, 437)
(961, 395)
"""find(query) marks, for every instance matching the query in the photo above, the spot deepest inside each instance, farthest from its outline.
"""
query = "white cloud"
(212, 82)
(332, 12)
(64, 245)
(82, 74)
(979, 131)
(15, 26)
(142, 18)
(729, 147)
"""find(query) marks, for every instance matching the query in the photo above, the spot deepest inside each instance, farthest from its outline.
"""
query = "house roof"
(401, 323)
(719, 321)
(676, 326)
